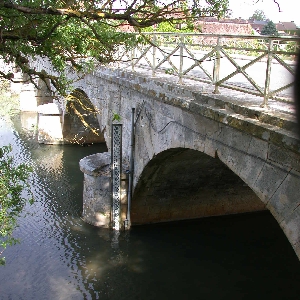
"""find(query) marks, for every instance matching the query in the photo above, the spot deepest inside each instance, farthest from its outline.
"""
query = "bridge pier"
(57, 124)
(50, 124)
(28, 100)
(97, 191)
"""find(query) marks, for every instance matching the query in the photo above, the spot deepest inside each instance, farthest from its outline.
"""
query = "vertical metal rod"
(132, 58)
(181, 58)
(217, 64)
(131, 167)
(268, 74)
(154, 56)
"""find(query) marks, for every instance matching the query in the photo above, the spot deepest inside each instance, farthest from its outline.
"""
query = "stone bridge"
(195, 154)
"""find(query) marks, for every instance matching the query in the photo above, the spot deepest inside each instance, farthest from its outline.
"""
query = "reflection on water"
(61, 257)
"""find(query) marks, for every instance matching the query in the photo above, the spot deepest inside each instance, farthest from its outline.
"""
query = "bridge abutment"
(28, 100)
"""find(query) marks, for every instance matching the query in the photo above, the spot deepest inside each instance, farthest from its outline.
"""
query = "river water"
(60, 257)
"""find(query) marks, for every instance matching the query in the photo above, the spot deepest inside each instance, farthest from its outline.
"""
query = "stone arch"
(270, 171)
(182, 183)
(80, 124)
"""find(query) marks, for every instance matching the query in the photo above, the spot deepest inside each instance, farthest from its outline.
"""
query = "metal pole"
(181, 58)
(131, 167)
(132, 58)
(217, 63)
(268, 75)
(154, 56)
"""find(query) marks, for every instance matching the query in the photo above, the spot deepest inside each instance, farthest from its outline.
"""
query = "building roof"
(286, 26)
(224, 27)
(256, 22)
(226, 20)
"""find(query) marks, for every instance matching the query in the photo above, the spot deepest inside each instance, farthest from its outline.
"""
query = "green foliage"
(84, 33)
(116, 117)
(9, 103)
(291, 46)
(169, 71)
(171, 27)
(258, 15)
(218, 8)
(13, 182)
(269, 29)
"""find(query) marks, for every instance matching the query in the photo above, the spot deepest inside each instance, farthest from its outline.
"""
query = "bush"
(269, 29)
(13, 181)
(9, 104)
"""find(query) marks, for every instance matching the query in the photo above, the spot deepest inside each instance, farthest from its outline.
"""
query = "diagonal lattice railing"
(259, 65)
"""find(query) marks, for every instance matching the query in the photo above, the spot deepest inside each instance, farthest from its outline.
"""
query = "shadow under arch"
(181, 184)
(81, 125)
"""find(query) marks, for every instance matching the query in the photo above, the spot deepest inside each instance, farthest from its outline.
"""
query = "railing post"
(181, 58)
(268, 75)
(217, 65)
(132, 58)
(154, 55)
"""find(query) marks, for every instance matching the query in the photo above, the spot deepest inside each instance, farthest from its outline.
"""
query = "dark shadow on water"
(233, 257)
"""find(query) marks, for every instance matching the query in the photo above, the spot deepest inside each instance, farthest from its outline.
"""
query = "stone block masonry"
(180, 184)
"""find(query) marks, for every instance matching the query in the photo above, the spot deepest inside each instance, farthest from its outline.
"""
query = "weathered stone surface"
(288, 159)
(49, 124)
(97, 190)
(269, 180)
(286, 199)
(96, 211)
(290, 226)
(97, 193)
(96, 164)
(183, 184)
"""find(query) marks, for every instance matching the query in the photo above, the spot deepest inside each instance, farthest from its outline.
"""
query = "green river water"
(60, 257)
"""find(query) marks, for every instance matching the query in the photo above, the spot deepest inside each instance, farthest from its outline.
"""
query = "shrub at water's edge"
(13, 183)
(13, 178)
(9, 102)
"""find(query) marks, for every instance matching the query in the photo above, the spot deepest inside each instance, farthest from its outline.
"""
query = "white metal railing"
(258, 65)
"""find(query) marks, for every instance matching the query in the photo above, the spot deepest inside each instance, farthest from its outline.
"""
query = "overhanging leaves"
(82, 33)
